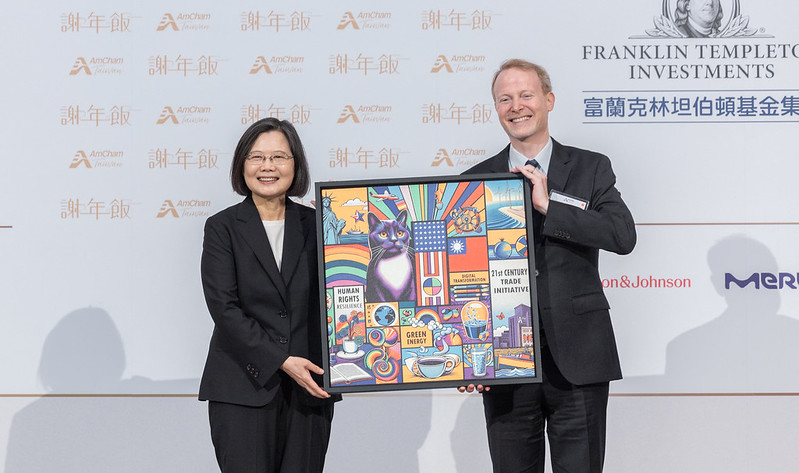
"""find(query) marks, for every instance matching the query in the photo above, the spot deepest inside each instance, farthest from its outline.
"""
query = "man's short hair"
(543, 75)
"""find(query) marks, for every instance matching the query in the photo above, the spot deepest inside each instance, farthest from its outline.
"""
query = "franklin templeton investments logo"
(701, 19)
(184, 208)
(700, 39)
(700, 55)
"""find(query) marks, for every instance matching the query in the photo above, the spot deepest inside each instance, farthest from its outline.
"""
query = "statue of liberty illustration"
(331, 224)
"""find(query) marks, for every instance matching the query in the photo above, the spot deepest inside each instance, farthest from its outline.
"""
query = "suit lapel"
(294, 239)
(559, 168)
(500, 161)
(252, 229)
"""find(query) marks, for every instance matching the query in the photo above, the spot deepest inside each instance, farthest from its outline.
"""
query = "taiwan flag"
(467, 254)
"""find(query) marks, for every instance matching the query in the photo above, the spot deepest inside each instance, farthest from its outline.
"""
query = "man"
(698, 18)
(579, 212)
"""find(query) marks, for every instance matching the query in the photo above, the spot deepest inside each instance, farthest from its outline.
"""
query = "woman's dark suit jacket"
(262, 314)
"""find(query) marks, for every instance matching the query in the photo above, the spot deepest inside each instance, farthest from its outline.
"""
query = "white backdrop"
(120, 121)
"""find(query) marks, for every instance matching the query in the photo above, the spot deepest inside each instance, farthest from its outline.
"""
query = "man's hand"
(539, 181)
(300, 371)
(471, 388)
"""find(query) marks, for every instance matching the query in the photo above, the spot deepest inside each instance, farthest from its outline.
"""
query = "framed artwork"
(427, 282)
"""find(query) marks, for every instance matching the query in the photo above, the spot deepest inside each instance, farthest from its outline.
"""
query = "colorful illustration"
(427, 284)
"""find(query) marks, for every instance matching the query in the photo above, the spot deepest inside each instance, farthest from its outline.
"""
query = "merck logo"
(764, 280)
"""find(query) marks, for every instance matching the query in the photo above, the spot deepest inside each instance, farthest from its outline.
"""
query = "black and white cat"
(390, 274)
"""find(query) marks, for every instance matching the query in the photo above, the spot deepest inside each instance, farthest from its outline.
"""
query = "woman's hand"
(300, 370)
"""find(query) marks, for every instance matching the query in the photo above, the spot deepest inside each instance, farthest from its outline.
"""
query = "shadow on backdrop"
(749, 347)
(469, 438)
(84, 354)
(379, 432)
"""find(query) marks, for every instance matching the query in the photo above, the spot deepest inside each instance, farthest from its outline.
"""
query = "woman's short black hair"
(300, 184)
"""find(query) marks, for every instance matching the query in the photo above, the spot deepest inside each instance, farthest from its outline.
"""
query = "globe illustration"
(384, 315)
(502, 249)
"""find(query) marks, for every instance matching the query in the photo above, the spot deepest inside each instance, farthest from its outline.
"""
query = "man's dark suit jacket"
(572, 305)
(262, 314)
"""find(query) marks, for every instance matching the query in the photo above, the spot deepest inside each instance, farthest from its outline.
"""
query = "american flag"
(430, 241)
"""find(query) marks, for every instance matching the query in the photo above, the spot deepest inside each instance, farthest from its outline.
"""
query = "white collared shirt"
(543, 157)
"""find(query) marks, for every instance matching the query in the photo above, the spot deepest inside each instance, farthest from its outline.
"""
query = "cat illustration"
(331, 224)
(390, 274)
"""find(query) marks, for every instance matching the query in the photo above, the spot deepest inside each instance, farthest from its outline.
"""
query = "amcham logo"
(80, 159)
(167, 115)
(458, 63)
(347, 20)
(168, 209)
(374, 113)
(441, 63)
(80, 66)
(366, 20)
(168, 21)
(277, 65)
(260, 65)
(97, 158)
(184, 21)
(184, 208)
(96, 65)
(348, 113)
(184, 115)
(462, 157)
(441, 157)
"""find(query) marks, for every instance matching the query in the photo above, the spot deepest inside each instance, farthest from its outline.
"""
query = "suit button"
(536, 273)
(283, 340)
(284, 314)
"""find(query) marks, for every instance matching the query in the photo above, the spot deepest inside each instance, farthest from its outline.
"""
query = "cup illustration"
(432, 366)
(481, 357)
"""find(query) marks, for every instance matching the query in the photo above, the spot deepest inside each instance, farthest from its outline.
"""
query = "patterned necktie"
(538, 219)
(535, 164)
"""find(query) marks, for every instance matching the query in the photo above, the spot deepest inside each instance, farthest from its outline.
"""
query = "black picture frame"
(428, 283)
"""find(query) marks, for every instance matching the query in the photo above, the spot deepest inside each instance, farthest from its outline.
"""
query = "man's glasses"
(279, 159)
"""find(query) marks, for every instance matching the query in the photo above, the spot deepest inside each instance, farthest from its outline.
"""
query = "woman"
(266, 409)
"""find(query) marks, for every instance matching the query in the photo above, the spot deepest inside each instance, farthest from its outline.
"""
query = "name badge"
(568, 199)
